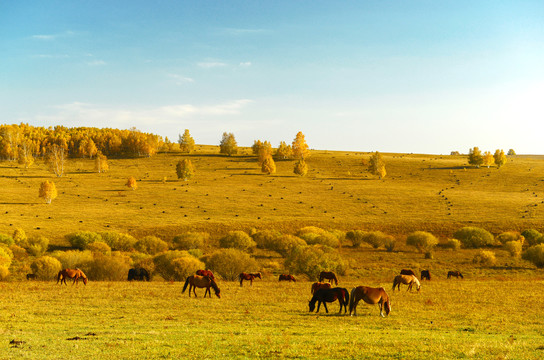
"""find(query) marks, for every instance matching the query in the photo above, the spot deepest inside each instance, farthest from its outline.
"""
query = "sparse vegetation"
(474, 237)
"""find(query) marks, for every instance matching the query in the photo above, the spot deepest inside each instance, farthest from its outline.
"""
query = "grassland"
(421, 192)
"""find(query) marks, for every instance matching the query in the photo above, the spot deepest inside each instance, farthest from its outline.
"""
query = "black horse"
(425, 275)
(330, 295)
(138, 274)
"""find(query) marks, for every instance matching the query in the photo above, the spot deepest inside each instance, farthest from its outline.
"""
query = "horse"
(31, 276)
(407, 272)
(205, 273)
(202, 282)
(425, 275)
(370, 296)
(407, 280)
(75, 274)
(287, 277)
(140, 274)
(330, 295)
(319, 285)
(250, 277)
(456, 273)
(329, 275)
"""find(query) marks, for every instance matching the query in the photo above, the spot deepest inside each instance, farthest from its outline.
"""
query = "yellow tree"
(56, 158)
(268, 166)
(48, 191)
(284, 151)
(300, 147)
(131, 183)
(26, 156)
(185, 169)
(376, 165)
(301, 168)
(488, 159)
(101, 163)
(265, 151)
(228, 144)
(500, 158)
(186, 142)
(475, 157)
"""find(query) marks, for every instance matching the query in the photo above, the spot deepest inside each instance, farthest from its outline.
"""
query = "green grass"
(471, 318)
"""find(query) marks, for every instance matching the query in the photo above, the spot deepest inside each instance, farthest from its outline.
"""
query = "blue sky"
(390, 76)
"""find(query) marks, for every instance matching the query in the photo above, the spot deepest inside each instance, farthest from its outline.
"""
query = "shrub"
(166, 266)
(107, 268)
(81, 239)
(356, 237)
(19, 236)
(514, 248)
(6, 239)
(18, 252)
(266, 239)
(327, 239)
(535, 254)
(151, 245)
(453, 244)
(485, 257)
(311, 260)
(72, 258)
(389, 243)
(118, 241)
(36, 246)
(46, 267)
(4, 273)
(532, 237)
(286, 243)
(229, 263)
(190, 240)
(185, 266)
(237, 240)
(508, 236)
(474, 237)
(99, 247)
(375, 238)
(422, 241)
(6, 256)
(310, 230)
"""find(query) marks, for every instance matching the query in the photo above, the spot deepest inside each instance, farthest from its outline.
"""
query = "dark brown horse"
(75, 274)
(202, 282)
(456, 273)
(370, 296)
(425, 275)
(250, 277)
(205, 273)
(330, 295)
(31, 276)
(329, 275)
(407, 280)
(287, 277)
(319, 285)
(407, 272)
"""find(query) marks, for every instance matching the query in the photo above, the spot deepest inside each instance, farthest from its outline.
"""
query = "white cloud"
(44, 37)
(211, 64)
(180, 79)
(245, 64)
(50, 37)
(96, 63)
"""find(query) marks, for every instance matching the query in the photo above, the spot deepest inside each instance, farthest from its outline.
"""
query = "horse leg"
(207, 291)
(241, 281)
(194, 290)
(325, 305)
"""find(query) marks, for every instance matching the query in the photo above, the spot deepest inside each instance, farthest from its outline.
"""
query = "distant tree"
(511, 152)
(257, 144)
(56, 159)
(101, 163)
(284, 151)
(228, 144)
(186, 142)
(268, 167)
(300, 147)
(500, 158)
(455, 153)
(301, 168)
(25, 153)
(48, 191)
(265, 152)
(488, 159)
(376, 165)
(475, 157)
(131, 183)
(185, 169)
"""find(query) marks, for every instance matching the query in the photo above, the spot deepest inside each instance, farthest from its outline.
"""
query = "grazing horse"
(425, 275)
(407, 272)
(287, 277)
(202, 282)
(205, 273)
(457, 274)
(250, 277)
(329, 275)
(31, 276)
(140, 274)
(407, 280)
(330, 295)
(75, 274)
(319, 285)
(370, 296)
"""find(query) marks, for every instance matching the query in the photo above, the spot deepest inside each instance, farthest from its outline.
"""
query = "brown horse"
(407, 272)
(75, 274)
(407, 280)
(319, 285)
(250, 277)
(457, 274)
(330, 295)
(370, 296)
(329, 275)
(202, 282)
(425, 275)
(287, 277)
(205, 273)
(31, 276)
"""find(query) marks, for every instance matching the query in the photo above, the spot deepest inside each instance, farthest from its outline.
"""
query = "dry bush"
(36, 246)
(81, 239)
(185, 266)
(72, 258)
(237, 240)
(19, 235)
(4, 273)
(311, 260)
(485, 257)
(266, 239)
(151, 245)
(508, 236)
(46, 267)
(286, 243)
(99, 247)
(422, 240)
(327, 239)
(6, 256)
(535, 254)
(19, 253)
(514, 248)
(533, 237)
(190, 240)
(167, 267)
(453, 244)
(474, 237)
(229, 263)
(389, 243)
(107, 268)
(118, 241)
(356, 237)
(6, 239)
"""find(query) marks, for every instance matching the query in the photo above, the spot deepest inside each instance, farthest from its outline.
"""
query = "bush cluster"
(237, 240)
(46, 267)
(535, 254)
(474, 237)
(229, 263)
(176, 265)
(422, 241)
(313, 235)
(485, 257)
(312, 259)
(190, 240)
(533, 237)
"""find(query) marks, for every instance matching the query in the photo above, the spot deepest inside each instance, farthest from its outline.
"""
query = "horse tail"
(186, 284)
(351, 300)
(346, 296)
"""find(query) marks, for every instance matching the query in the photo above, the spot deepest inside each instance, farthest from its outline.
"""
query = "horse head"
(311, 305)
(84, 280)
(258, 275)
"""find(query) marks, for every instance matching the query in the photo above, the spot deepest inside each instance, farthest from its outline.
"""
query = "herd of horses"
(322, 292)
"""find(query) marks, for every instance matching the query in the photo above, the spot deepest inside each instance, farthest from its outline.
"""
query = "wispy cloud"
(180, 79)
(44, 37)
(96, 63)
(51, 56)
(239, 32)
(245, 64)
(51, 37)
(211, 64)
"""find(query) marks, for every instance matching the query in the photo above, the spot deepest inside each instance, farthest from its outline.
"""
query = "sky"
(391, 76)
